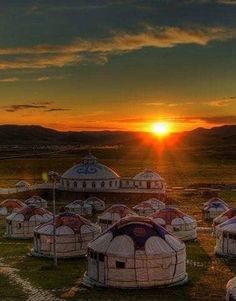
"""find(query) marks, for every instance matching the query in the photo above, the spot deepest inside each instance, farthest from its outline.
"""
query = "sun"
(161, 129)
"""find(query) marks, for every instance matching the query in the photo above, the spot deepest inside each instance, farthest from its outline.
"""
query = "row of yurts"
(146, 250)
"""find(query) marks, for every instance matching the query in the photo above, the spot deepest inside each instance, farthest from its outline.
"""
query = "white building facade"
(92, 176)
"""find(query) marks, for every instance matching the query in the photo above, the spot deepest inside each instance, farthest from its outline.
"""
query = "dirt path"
(34, 294)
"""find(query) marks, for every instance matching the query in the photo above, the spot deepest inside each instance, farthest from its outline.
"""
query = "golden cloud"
(45, 55)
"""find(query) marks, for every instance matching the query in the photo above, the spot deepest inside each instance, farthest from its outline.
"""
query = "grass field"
(208, 275)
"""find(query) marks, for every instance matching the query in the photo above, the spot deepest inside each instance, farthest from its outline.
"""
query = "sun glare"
(160, 129)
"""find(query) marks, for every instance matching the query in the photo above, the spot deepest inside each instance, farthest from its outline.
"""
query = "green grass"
(179, 169)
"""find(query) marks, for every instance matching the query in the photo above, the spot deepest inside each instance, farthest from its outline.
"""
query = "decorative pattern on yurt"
(10, 205)
(136, 252)
(73, 233)
(21, 224)
(176, 222)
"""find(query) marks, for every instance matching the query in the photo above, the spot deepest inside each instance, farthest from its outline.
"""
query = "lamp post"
(54, 177)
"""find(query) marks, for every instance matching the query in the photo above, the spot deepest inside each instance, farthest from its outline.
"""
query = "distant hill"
(37, 135)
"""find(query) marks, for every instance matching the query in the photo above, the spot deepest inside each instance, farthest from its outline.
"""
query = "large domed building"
(90, 175)
(92, 178)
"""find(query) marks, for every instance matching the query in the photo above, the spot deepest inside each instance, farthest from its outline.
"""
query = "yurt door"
(100, 267)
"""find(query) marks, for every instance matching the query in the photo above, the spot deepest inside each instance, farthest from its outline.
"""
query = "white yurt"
(226, 238)
(136, 253)
(231, 290)
(96, 203)
(112, 215)
(79, 207)
(21, 224)
(148, 207)
(37, 201)
(73, 233)
(150, 179)
(22, 185)
(10, 205)
(225, 216)
(212, 209)
(176, 222)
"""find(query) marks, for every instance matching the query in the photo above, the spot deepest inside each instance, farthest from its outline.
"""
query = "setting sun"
(160, 129)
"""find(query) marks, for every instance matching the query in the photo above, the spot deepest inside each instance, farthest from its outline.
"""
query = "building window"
(84, 184)
(110, 183)
(103, 184)
(101, 257)
(68, 184)
(75, 184)
(93, 184)
(120, 265)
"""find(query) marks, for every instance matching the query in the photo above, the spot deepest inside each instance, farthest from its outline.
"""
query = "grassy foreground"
(207, 274)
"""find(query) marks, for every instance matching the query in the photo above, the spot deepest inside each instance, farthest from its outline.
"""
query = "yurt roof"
(150, 203)
(22, 183)
(90, 169)
(228, 226)
(26, 213)
(120, 209)
(227, 214)
(67, 223)
(143, 232)
(148, 174)
(215, 206)
(12, 204)
(35, 198)
(215, 200)
(171, 215)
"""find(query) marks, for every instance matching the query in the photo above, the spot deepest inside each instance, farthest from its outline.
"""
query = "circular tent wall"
(112, 215)
(176, 222)
(79, 207)
(10, 205)
(213, 209)
(226, 238)
(136, 253)
(21, 224)
(225, 216)
(89, 175)
(231, 290)
(73, 233)
(37, 201)
(148, 207)
(96, 203)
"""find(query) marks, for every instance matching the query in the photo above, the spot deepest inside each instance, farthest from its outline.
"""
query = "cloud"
(159, 104)
(57, 109)
(224, 102)
(9, 80)
(19, 107)
(80, 50)
(41, 105)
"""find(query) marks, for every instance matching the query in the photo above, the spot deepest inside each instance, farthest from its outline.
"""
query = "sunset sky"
(118, 64)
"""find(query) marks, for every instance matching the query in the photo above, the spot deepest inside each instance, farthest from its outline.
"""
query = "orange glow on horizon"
(160, 129)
